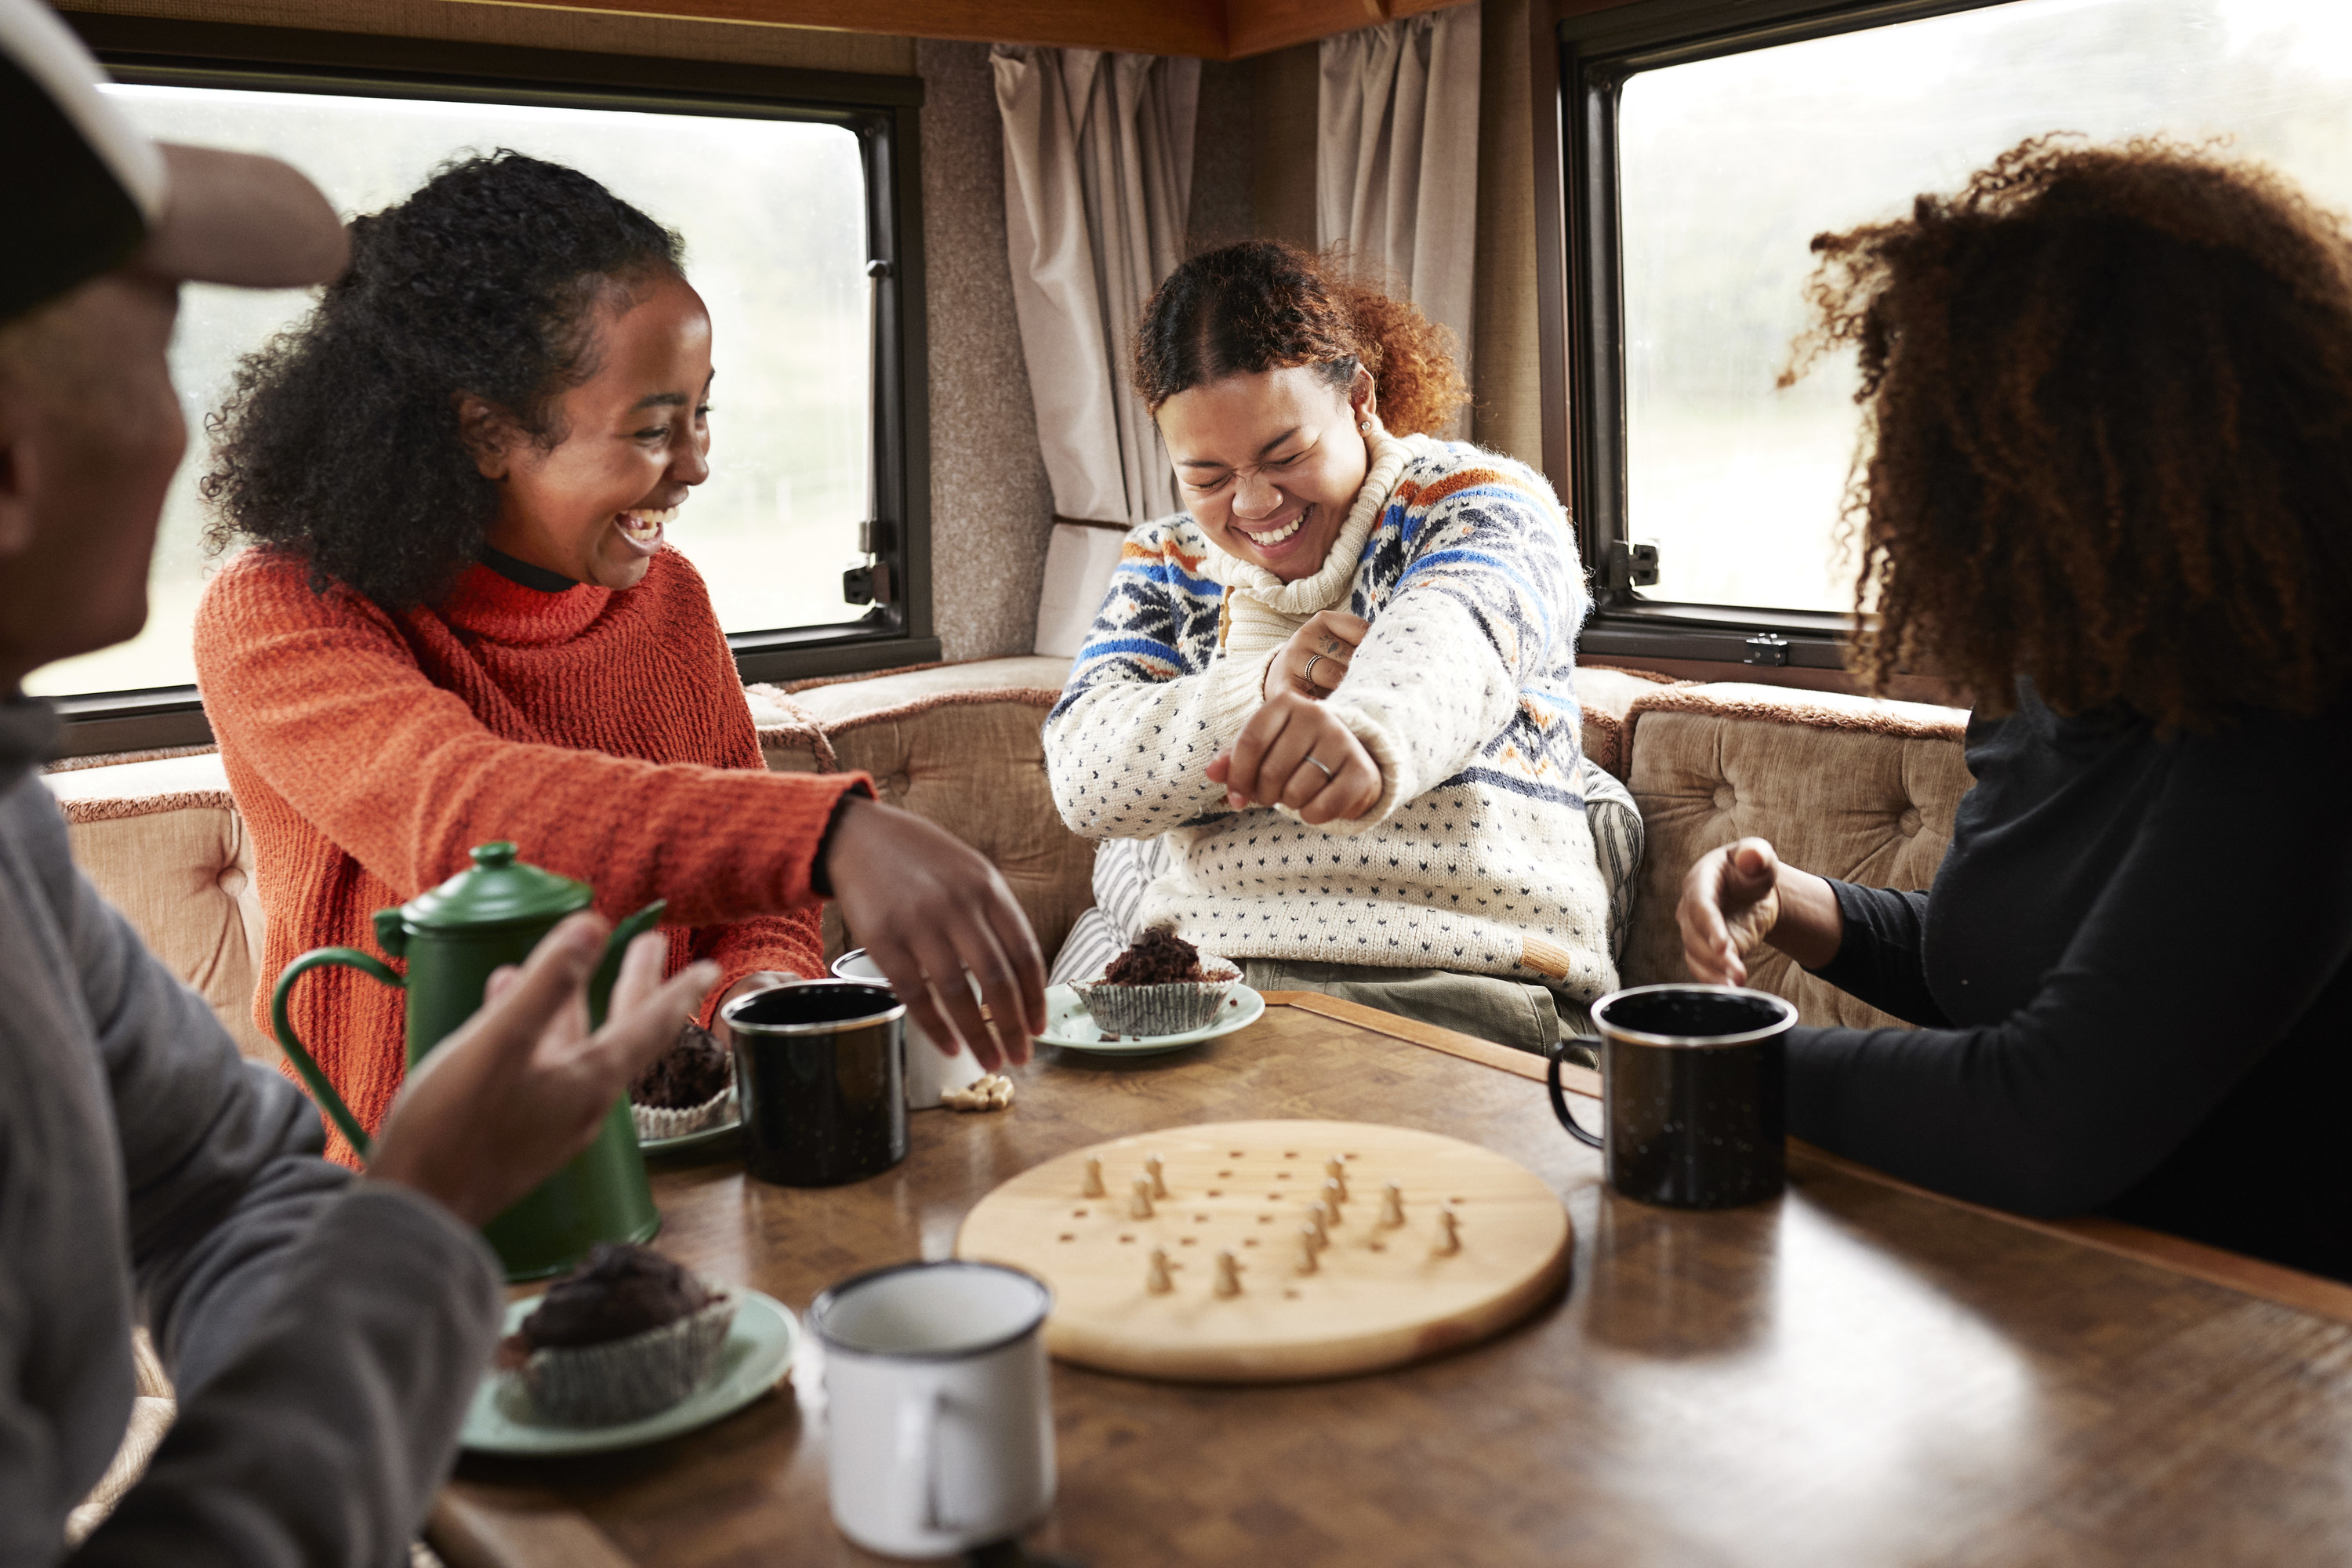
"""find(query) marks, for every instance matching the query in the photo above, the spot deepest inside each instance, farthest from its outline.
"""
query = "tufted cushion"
(961, 745)
(1856, 790)
(1605, 696)
(164, 843)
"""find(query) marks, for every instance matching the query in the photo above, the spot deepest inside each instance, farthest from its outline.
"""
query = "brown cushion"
(1606, 695)
(959, 744)
(163, 843)
(1856, 790)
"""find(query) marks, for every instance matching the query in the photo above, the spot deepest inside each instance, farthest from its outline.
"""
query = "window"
(1703, 164)
(783, 203)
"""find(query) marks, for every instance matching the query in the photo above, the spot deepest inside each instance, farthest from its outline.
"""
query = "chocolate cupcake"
(691, 1087)
(625, 1335)
(1160, 985)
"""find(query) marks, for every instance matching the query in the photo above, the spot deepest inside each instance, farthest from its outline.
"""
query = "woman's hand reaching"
(932, 911)
(523, 1086)
(1737, 897)
(1296, 752)
(1316, 658)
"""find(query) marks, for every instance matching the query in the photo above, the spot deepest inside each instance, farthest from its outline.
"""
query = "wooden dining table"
(1856, 1373)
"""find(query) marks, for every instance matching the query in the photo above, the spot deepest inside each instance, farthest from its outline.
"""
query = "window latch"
(1764, 648)
(1632, 564)
(869, 582)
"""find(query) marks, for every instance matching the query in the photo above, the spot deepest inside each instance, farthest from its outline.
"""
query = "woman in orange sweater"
(460, 623)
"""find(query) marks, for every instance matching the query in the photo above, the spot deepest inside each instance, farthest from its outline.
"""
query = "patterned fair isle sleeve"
(1619, 837)
(1150, 701)
(1486, 608)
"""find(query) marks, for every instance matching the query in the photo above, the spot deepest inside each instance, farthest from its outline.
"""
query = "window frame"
(1580, 62)
(882, 111)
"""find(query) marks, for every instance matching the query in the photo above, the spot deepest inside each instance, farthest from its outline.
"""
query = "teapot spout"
(608, 968)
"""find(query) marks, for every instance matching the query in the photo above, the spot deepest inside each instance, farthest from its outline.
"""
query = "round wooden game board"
(1379, 1295)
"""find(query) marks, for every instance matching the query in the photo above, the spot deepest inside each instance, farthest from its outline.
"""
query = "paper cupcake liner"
(598, 1385)
(655, 1121)
(1172, 1009)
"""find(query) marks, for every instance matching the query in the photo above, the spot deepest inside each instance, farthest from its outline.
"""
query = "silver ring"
(1328, 773)
(1312, 660)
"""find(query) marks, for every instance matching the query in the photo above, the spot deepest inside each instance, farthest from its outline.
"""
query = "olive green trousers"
(1507, 1011)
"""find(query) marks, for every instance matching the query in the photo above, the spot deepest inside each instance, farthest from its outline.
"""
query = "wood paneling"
(1160, 28)
(841, 35)
(684, 36)
(1254, 26)
(1855, 1373)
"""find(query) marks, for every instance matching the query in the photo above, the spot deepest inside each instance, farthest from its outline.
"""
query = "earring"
(1365, 426)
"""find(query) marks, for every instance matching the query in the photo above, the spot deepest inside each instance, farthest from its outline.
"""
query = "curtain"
(1396, 176)
(1097, 184)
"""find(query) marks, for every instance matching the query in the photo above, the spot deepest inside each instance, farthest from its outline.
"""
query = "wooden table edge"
(2248, 1276)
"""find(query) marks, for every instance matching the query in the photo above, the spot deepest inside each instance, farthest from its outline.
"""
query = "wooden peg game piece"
(1138, 1205)
(1094, 1187)
(1335, 1193)
(1392, 1206)
(1337, 1173)
(1317, 1224)
(1228, 1275)
(1308, 1244)
(1153, 1169)
(1159, 1281)
(1448, 1241)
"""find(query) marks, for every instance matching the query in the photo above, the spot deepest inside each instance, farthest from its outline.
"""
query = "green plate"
(1070, 1026)
(758, 1351)
(685, 1142)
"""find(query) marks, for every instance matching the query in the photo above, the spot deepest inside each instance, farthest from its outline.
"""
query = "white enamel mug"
(929, 1074)
(941, 1423)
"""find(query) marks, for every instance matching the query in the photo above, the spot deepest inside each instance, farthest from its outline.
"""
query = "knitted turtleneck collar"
(1329, 585)
(488, 603)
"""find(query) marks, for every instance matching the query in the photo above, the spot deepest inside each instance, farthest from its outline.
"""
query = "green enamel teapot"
(454, 937)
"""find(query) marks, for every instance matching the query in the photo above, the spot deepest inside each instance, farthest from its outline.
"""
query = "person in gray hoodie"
(324, 1334)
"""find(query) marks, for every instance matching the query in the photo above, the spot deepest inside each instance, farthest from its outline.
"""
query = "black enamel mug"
(1694, 1093)
(821, 1082)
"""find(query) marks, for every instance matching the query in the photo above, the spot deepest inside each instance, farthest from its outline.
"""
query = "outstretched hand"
(522, 1086)
(930, 911)
(1731, 903)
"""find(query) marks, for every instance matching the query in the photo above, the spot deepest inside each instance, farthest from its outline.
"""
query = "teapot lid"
(496, 890)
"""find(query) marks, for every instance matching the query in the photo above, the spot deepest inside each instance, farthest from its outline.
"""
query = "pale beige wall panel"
(1283, 177)
(1503, 417)
(991, 508)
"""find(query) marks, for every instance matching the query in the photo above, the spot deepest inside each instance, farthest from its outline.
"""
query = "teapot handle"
(608, 968)
(320, 1089)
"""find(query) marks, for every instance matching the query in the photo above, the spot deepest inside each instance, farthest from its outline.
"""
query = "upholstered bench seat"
(1851, 788)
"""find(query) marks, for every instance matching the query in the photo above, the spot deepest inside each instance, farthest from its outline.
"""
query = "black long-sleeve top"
(2133, 982)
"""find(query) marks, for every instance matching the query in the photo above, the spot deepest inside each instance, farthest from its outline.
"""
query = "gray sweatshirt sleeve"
(324, 1339)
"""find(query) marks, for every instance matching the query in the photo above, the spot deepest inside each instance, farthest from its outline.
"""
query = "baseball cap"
(86, 193)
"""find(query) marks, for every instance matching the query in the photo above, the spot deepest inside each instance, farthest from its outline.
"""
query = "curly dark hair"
(2108, 433)
(1264, 305)
(340, 440)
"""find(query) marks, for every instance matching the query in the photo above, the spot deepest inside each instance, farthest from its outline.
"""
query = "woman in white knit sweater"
(1327, 715)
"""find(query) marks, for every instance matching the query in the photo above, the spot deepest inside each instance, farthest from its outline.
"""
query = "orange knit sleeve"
(323, 697)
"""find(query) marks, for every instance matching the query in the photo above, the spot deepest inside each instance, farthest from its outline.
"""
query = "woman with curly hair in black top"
(2103, 484)
(460, 623)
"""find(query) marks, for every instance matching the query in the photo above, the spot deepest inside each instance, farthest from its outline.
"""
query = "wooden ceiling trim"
(1194, 27)
(1258, 26)
(1208, 29)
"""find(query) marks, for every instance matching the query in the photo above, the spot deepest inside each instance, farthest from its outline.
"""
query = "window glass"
(1730, 166)
(774, 212)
